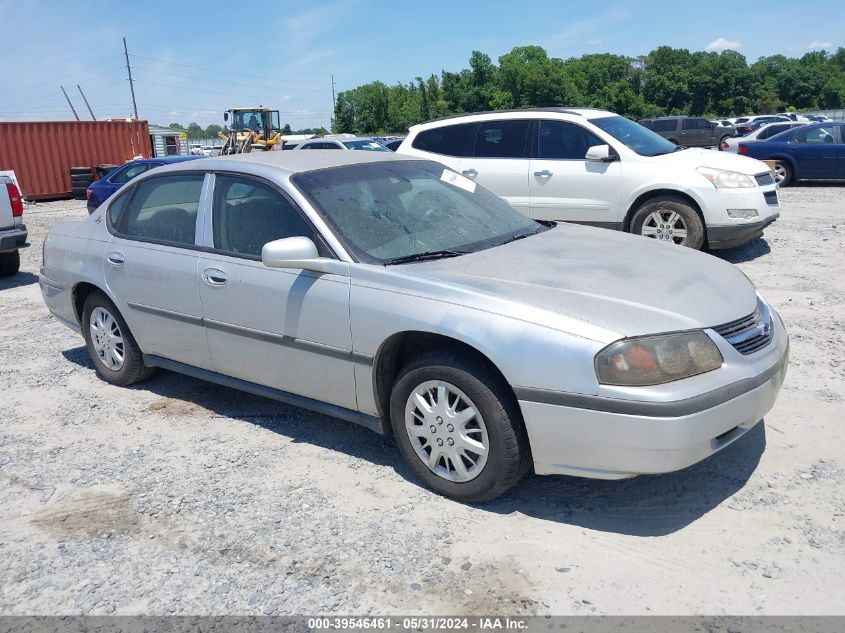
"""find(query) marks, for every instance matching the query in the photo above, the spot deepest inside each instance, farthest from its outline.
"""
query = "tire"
(10, 263)
(644, 223)
(722, 140)
(784, 175)
(132, 368)
(81, 181)
(79, 193)
(80, 171)
(497, 424)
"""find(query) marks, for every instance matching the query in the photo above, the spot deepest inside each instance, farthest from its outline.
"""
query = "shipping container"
(42, 152)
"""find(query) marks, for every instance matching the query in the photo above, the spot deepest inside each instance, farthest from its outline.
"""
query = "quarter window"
(450, 140)
(502, 139)
(564, 140)
(164, 210)
(117, 206)
(249, 213)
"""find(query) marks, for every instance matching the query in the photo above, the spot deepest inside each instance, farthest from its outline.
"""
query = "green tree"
(213, 130)
(195, 131)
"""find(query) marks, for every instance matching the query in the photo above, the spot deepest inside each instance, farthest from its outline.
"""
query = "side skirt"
(371, 422)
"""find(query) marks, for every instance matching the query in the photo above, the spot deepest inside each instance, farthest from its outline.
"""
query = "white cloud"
(575, 32)
(722, 44)
(818, 45)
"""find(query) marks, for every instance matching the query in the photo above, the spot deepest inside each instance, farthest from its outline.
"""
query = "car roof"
(588, 113)
(167, 160)
(292, 162)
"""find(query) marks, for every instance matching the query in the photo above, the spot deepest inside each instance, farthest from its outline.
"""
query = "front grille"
(771, 198)
(750, 333)
(765, 179)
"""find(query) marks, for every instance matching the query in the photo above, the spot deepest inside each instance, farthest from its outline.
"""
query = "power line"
(217, 70)
(53, 81)
(229, 83)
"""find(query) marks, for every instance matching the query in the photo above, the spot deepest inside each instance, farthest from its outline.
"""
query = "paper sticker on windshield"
(459, 181)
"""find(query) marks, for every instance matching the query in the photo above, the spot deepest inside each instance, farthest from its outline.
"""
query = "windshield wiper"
(422, 257)
(515, 238)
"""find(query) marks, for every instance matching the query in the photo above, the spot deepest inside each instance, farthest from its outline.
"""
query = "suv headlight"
(654, 360)
(723, 179)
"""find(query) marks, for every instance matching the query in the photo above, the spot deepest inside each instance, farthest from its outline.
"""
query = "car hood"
(626, 284)
(694, 157)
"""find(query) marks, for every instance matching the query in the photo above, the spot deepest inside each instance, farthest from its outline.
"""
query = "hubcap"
(446, 431)
(780, 173)
(665, 225)
(107, 339)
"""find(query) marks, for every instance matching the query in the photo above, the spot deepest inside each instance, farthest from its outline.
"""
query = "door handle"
(543, 174)
(472, 173)
(116, 259)
(214, 277)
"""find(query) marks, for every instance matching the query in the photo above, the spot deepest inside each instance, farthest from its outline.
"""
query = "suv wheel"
(669, 219)
(110, 344)
(10, 263)
(457, 428)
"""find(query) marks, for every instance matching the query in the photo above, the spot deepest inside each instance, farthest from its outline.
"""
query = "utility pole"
(129, 71)
(87, 105)
(72, 109)
(334, 106)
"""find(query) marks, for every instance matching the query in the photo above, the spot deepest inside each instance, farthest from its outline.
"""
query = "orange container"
(42, 152)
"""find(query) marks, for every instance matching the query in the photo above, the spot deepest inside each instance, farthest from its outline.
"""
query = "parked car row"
(398, 293)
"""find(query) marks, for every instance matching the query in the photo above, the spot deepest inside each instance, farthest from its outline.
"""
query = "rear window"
(450, 140)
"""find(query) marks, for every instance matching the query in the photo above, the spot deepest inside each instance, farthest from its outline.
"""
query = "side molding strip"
(371, 422)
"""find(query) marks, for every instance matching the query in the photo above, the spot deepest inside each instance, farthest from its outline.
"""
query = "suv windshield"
(392, 210)
(638, 138)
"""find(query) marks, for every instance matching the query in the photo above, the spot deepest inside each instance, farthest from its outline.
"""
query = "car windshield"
(366, 145)
(391, 210)
(638, 138)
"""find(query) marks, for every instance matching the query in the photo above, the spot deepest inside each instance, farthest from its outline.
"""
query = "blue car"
(116, 178)
(809, 152)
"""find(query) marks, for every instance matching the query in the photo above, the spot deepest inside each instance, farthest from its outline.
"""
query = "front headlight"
(724, 179)
(654, 360)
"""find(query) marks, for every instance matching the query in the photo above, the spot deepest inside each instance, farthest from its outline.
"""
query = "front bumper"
(13, 239)
(610, 438)
(737, 234)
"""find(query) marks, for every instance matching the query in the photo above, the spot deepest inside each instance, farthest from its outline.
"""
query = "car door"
(499, 160)
(563, 185)
(151, 267)
(283, 328)
(815, 152)
(840, 155)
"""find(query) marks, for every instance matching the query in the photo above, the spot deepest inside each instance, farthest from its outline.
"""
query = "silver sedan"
(401, 296)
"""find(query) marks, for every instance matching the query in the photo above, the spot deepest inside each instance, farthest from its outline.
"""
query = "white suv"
(596, 167)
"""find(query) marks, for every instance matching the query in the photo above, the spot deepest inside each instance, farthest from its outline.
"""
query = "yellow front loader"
(251, 129)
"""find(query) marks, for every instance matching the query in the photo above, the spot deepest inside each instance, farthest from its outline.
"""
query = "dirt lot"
(181, 497)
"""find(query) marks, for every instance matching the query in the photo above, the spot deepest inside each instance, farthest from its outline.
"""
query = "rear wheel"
(670, 219)
(458, 428)
(10, 263)
(783, 173)
(722, 141)
(110, 344)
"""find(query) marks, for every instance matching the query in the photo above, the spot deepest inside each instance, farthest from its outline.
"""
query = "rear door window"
(164, 210)
(664, 125)
(449, 140)
(502, 139)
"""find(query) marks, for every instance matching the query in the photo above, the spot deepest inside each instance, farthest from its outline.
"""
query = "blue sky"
(282, 54)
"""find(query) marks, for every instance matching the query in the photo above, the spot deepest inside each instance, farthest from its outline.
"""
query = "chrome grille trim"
(764, 179)
(750, 333)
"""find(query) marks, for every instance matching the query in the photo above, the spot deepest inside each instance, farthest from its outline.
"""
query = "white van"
(596, 167)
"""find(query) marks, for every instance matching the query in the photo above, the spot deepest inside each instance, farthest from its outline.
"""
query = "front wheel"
(670, 219)
(783, 173)
(458, 428)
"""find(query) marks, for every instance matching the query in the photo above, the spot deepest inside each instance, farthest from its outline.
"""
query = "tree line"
(666, 81)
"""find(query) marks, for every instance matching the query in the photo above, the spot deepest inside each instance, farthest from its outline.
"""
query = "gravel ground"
(178, 496)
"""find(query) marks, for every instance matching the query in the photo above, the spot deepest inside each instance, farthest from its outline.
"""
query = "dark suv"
(690, 131)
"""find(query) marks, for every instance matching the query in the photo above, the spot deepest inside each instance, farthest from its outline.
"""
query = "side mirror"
(600, 154)
(225, 116)
(299, 252)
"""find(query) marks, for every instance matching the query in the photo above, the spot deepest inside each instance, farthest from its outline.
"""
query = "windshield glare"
(370, 146)
(385, 210)
(638, 138)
